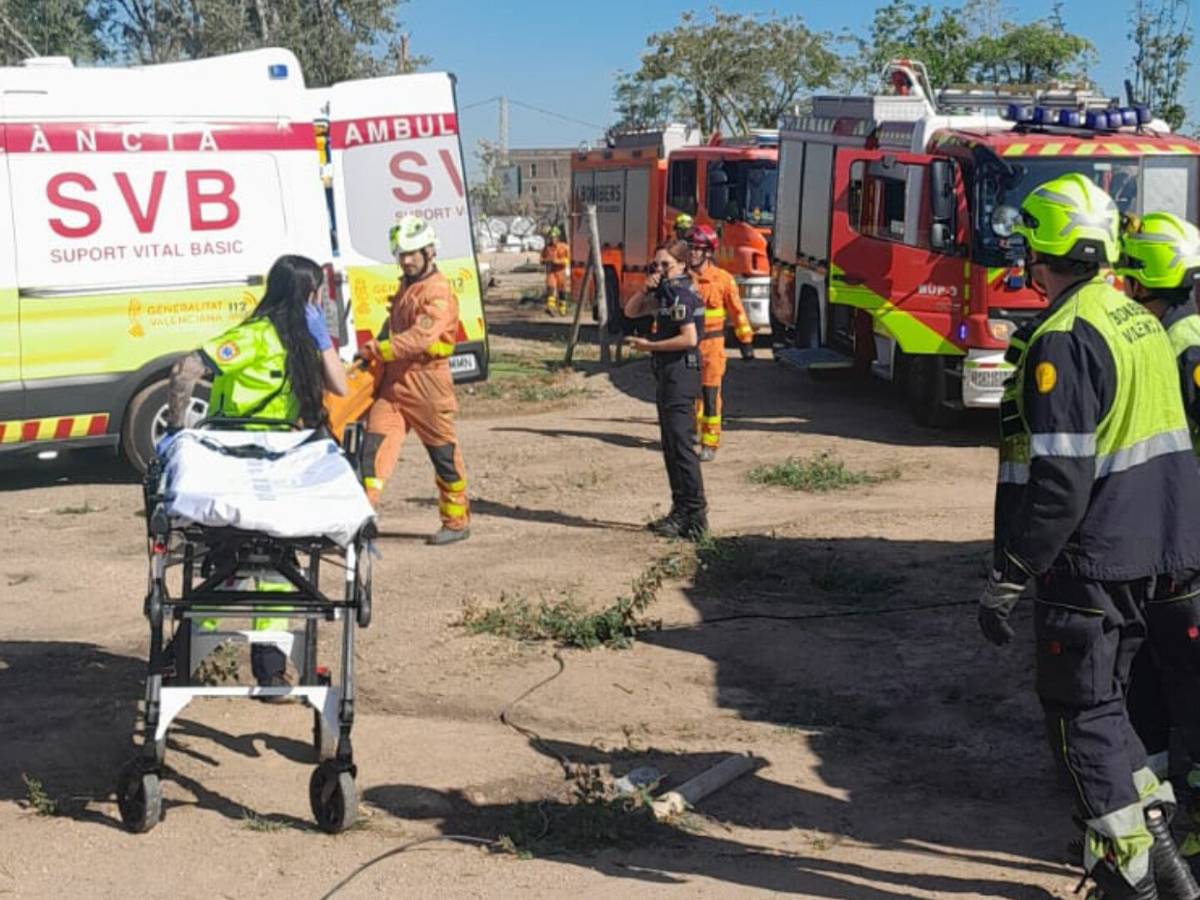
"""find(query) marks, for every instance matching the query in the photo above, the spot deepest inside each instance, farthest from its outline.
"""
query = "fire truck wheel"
(146, 420)
(925, 389)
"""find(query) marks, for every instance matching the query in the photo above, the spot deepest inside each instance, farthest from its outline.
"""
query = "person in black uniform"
(678, 320)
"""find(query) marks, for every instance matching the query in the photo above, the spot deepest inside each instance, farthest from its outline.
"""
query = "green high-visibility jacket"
(1097, 476)
(1183, 328)
(251, 380)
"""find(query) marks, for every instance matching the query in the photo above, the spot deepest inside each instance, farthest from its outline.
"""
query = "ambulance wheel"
(334, 798)
(146, 420)
(139, 799)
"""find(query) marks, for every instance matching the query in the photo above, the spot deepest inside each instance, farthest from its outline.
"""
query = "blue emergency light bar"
(277, 71)
(1093, 119)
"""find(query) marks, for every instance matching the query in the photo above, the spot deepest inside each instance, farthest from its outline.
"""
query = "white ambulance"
(143, 207)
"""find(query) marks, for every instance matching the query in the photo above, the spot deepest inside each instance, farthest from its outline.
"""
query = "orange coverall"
(417, 393)
(719, 292)
(556, 257)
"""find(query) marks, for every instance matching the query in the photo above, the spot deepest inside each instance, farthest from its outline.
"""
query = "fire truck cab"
(643, 180)
(891, 250)
(730, 185)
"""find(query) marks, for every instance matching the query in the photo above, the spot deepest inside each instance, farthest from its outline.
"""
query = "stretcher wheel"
(334, 798)
(139, 799)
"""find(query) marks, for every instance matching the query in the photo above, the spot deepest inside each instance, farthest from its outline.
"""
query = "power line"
(532, 108)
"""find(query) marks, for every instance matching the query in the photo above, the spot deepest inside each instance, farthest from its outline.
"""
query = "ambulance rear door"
(395, 150)
(11, 389)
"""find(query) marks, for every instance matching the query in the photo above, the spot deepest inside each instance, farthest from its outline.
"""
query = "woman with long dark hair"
(274, 365)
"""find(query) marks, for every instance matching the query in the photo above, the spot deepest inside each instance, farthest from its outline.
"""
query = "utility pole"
(503, 135)
(404, 53)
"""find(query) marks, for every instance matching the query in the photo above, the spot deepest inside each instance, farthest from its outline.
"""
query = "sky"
(562, 57)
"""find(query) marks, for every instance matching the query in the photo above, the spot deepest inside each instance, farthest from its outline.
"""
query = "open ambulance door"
(12, 393)
(395, 150)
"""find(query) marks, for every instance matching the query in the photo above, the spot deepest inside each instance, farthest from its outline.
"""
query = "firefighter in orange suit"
(722, 303)
(556, 259)
(417, 389)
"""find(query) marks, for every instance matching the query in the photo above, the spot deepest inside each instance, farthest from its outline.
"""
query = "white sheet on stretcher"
(309, 491)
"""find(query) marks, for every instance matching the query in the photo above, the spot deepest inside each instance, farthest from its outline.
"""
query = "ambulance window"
(681, 189)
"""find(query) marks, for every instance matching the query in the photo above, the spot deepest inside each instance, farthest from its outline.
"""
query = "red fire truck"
(890, 248)
(644, 180)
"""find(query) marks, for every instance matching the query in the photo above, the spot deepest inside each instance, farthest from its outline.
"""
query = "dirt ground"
(898, 754)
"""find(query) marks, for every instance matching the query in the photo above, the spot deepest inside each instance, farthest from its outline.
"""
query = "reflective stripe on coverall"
(417, 393)
(556, 258)
(1096, 487)
(719, 291)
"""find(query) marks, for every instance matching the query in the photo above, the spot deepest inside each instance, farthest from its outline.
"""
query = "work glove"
(999, 596)
(314, 318)
(747, 351)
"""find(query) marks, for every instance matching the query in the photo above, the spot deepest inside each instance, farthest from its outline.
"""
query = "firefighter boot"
(551, 305)
(562, 307)
(708, 454)
(1111, 884)
(1171, 873)
(668, 525)
(690, 526)
(446, 535)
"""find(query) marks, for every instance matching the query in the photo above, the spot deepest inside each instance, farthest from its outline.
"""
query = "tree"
(643, 105)
(486, 194)
(732, 72)
(976, 42)
(335, 40)
(46, 28)
(1162, 37)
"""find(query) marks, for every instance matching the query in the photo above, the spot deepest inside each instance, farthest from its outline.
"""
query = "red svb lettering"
(210, 200)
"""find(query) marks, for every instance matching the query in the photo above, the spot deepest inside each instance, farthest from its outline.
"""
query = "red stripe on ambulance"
(145, 137)
(63, 428)
(385, 129)
(98, 426)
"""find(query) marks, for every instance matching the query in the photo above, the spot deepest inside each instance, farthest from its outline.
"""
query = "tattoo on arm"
(184, 375)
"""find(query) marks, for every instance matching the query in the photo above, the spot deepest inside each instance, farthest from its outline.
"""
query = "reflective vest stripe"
(440, 349)
(1062, 444)
(1143, 451)
(1013, 473)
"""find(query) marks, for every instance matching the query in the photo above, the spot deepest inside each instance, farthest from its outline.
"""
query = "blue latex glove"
(314, 318)
(160, 449)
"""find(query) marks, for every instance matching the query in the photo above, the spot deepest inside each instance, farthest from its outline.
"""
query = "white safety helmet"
(410, 234)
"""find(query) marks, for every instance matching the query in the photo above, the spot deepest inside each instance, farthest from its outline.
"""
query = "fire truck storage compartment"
(787, 206)
(883, 108)
(816, 198)
(637, 237)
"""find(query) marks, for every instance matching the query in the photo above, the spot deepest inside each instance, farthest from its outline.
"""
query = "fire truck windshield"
(751, 193)
(1138, 185)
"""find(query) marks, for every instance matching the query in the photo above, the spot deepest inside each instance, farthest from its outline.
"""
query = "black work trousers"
(1088, 633)
(1164, 690)
(678, 387)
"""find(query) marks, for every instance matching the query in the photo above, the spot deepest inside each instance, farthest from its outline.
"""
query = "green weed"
(37, 799)
(566, 623)
(252, 821)
(78, 510)
(818, 474)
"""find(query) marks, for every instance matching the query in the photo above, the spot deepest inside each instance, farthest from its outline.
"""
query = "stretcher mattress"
(302, 487)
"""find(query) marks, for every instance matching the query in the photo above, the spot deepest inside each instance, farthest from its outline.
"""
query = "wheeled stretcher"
(240, 523)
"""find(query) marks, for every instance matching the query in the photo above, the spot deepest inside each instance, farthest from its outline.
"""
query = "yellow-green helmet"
(1160, 250)
(552, 231)
(1070, 216)
(411, 233)
(683, 221)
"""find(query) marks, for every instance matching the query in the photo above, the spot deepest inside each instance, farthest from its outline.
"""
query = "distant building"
(545, 180)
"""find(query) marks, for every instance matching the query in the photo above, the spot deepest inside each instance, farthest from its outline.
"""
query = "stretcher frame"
(205, 561)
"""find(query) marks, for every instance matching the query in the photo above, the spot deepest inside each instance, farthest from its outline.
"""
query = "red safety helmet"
(702, 237)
